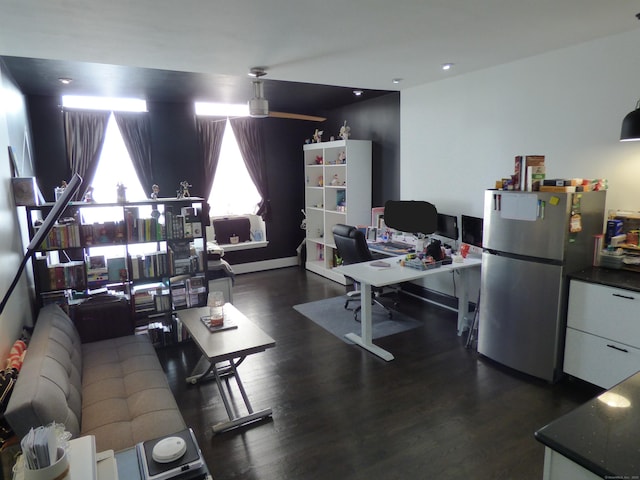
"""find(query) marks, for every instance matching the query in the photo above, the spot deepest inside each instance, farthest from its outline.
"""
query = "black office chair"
(352, 248)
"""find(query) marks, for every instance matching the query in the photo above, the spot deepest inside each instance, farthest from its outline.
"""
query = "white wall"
(459, 135)
(13, 124)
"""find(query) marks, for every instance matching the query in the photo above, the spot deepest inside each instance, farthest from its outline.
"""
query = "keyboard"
(400, 245)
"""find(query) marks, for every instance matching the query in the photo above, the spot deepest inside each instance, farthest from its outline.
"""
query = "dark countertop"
(599, 437)
(606, 276)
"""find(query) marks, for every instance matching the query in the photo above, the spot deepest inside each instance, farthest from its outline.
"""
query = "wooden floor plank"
(437, 411)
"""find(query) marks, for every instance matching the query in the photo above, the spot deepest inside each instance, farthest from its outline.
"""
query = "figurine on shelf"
(88, 196)
(345, 131)
(183, 191)
(318, 159)
(317, 136)
(335, 181)
(320, 181)
(122, 193)
(58, 191)
(342, 157)
(155, 190)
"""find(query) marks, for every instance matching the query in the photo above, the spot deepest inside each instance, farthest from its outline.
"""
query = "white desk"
(369, 276)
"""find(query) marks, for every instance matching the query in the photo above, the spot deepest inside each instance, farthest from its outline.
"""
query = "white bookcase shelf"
(337, 190)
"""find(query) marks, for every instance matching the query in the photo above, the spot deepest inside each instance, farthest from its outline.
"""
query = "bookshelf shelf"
(153, 251)
(338, 190)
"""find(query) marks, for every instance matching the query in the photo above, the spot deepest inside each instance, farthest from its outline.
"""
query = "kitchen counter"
(602, 438)
(607, 276)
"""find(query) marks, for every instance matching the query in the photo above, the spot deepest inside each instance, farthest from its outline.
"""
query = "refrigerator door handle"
(618, 348)
(623, 296)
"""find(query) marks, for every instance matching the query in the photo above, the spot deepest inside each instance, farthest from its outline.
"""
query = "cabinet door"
(598, 360)
(605, 311)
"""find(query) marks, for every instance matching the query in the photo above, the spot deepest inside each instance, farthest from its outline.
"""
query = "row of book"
(179, 226)
(131, 230)
(191, 292)
(166, 330)
(98, 271)
(149, 300)
(61, 276)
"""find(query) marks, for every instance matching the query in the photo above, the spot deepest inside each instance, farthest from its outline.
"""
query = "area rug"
(331, 315)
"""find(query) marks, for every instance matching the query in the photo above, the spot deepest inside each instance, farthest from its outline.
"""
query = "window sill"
(232, 247)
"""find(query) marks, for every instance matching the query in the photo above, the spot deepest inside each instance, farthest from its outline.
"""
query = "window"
(233, 191)
(114, 165)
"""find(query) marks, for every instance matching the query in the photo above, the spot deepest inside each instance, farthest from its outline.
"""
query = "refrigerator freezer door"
(520, 223)
(521, 324)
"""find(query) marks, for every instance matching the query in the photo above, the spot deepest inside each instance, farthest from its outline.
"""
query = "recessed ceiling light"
(65, 80)
(396, 80)
(357, 93)
(447, 66)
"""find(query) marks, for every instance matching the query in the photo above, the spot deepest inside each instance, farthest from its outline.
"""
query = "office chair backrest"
(351, 244)
(411, 216)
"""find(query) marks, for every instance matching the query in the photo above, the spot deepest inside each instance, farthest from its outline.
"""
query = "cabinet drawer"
(598, 360)
(605, 311)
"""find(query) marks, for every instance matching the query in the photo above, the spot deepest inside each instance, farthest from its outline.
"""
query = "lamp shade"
(631, 126)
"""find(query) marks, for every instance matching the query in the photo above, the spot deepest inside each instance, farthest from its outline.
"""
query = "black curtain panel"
(84, 136)
(210, 133)
(250, 137)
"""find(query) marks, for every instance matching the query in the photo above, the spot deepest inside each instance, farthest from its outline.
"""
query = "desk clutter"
(170, 457)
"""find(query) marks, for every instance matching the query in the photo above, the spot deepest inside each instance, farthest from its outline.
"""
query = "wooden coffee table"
(222, 352)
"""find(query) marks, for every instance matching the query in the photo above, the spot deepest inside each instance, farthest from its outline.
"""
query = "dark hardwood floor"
(438, 411)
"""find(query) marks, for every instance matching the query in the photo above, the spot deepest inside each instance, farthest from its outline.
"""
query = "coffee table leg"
(233, 420)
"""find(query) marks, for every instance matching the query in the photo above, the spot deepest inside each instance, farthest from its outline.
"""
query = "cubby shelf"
(338, 190)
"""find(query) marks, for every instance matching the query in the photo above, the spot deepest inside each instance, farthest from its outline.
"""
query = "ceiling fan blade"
(297, 116)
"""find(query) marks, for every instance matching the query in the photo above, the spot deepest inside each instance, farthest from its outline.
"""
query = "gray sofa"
(114, 389)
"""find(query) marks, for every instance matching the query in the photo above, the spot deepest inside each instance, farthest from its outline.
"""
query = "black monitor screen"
(472, 230)
(447, 226)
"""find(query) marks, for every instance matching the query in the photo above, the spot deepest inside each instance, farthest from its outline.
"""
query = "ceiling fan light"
(631, 126)
(258, 107)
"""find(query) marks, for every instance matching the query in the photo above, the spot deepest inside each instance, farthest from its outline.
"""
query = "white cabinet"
(337, 190)
(603, 333)
(559, 467)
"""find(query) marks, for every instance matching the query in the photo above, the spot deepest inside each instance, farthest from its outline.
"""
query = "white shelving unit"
(337, 190)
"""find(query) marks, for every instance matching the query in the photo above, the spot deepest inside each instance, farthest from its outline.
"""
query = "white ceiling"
(354, 43)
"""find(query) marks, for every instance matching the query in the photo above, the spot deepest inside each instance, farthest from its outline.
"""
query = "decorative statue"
(183, 191)
(155, 190)
(122, 193)
(317, 136)
(345, 131)
(88, 196)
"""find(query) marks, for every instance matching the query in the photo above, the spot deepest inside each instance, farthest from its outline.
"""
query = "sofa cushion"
(49, 385)
(114, 389)
(126, 396)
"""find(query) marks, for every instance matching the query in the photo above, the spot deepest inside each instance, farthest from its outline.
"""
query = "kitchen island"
(600, 439)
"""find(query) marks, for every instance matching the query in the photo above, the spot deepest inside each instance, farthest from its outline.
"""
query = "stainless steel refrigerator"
(531, 240)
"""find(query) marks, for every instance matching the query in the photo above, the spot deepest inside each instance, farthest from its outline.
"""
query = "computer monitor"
(472, 230)
(447, 226)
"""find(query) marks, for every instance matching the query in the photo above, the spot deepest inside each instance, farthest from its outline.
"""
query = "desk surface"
(227, 344)
(396, 273)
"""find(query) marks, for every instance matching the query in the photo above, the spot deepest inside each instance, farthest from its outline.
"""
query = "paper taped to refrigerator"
(520, 206)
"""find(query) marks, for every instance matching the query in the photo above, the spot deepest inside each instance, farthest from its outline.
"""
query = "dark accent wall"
(377, 120)
(175, 158)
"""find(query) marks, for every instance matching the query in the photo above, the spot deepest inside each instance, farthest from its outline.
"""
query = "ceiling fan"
(259, 106)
